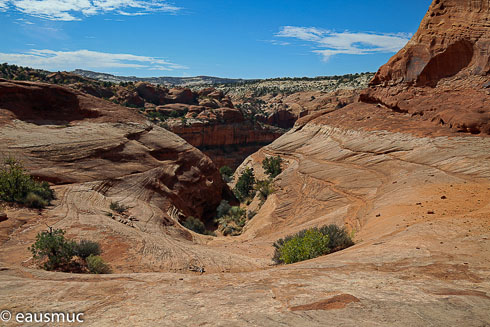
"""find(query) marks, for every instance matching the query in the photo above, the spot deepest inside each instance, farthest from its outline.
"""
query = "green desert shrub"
(264, 188)
(244, 186)
(209, 232)
(223, 209)
(54, 248)
(226, 173)
(56, 253)
(85, 248)
(117, 207)
(305, 245)
(33, 200)
(311, 243)
(43, 190)
(251, 214)
(272, 166)
(232, 222)
(96, 265)
(195, 225)
(338, 237)
(18, 186)
(237, 214)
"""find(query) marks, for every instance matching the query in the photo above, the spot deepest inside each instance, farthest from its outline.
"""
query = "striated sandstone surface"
(408, 267)
(99, 152)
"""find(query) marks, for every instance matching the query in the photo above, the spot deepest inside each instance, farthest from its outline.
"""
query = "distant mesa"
(176, 81)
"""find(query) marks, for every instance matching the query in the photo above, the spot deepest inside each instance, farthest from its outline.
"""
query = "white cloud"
(276, 42)
(328, 43)
(68, 10)
(302, 33)
(85, 59)
(22, 21)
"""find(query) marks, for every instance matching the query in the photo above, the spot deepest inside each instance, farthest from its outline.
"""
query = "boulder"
(229, 115)
(209, 103)
(185, 95)
(152, 93)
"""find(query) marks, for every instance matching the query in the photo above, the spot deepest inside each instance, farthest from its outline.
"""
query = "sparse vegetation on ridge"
(244, 187)
(117, 207)
(272, 166)
(289, 85)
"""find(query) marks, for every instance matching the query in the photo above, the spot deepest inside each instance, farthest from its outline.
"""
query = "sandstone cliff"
(224, 134)
(446, 62)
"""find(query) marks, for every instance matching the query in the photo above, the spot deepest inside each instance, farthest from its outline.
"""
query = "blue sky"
(238, 39)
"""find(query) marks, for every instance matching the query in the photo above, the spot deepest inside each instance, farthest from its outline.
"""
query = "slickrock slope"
(414, 193)
(409, 268)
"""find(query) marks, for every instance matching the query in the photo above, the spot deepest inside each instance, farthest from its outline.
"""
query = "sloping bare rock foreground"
(409, 267)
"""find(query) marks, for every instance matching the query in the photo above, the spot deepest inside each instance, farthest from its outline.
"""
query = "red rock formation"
(179, 108)
(185, 95)
(440, 75)
(453, 38)
(152, 93)
(41, 103)
(128, 97)
(93, 89)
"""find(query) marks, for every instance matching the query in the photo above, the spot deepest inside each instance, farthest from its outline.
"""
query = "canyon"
(403, 165)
